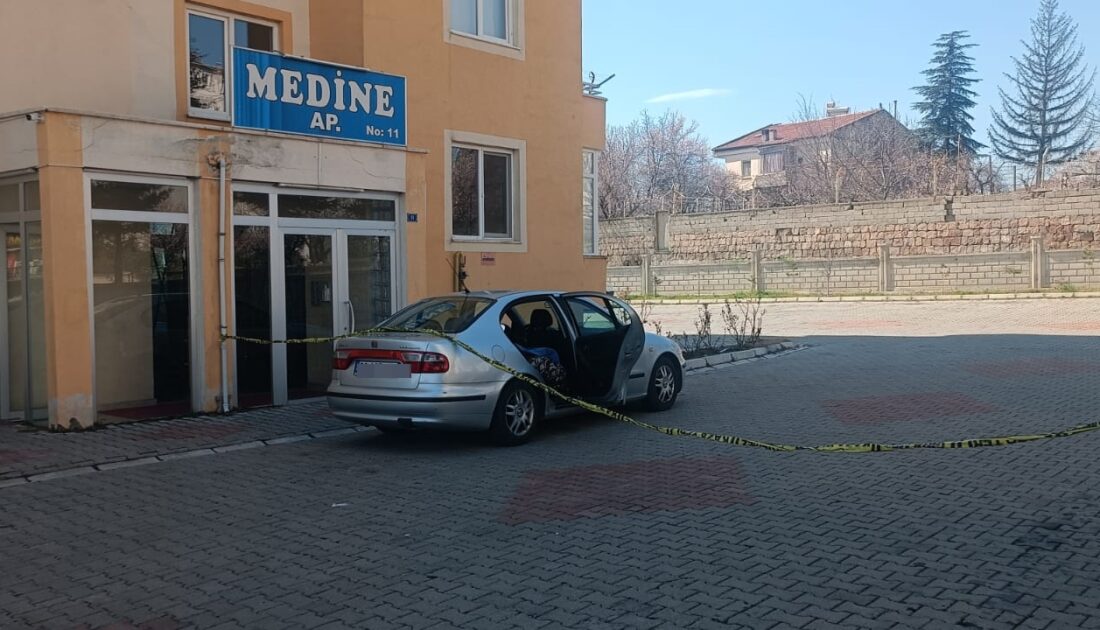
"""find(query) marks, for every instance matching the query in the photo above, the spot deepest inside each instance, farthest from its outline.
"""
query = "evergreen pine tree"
(947, 96)
(1048, 118)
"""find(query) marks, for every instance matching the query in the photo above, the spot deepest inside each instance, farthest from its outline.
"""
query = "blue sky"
(734, 65)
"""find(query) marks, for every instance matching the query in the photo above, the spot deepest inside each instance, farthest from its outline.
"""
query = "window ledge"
(486, 44)
(485, 245)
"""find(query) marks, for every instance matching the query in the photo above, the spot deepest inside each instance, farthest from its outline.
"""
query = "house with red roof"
(764, 157)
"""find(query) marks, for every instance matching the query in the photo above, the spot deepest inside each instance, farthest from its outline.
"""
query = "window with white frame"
(482, 196)
(590, 201)
(490, 19)
(211, 37)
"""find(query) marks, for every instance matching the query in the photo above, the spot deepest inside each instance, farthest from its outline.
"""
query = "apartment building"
(278, 169)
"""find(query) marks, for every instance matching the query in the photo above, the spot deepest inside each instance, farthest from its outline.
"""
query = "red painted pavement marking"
(881, 409)
(566, 494)
(1044, 366)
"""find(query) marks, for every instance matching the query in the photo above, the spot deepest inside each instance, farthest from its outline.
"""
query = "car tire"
(665, 383)
(517, 415)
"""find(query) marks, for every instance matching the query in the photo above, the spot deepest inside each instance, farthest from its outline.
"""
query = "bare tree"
(655, 158)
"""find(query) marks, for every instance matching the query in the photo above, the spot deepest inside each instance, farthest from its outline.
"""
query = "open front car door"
(609, 341)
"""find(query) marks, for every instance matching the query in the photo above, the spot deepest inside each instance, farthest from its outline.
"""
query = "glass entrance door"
(334, 282)
(368, 279)
(22, 340)
(310, 293)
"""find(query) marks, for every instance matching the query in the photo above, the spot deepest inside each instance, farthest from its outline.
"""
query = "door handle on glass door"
(351, 316)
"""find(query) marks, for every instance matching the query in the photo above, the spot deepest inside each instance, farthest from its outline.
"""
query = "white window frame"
(513, 44)
(228, 21)
(517, 149)
(190, 218)
(595, 177)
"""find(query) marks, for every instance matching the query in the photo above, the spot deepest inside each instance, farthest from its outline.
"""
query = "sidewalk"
(38, 455)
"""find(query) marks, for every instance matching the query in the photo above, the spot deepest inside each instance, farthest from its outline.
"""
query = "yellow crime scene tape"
(733, 440)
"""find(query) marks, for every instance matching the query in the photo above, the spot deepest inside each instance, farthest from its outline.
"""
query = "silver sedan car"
(589, 345)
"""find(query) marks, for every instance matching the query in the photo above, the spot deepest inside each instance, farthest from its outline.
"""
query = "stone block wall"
(821, 277)
(965, 225)
(975, 243)
(702, 279)
(1080, 269)
(966, 272)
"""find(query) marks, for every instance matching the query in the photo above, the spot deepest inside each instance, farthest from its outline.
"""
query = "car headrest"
(541, 318)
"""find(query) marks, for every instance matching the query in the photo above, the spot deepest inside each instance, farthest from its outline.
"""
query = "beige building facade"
(144, 209)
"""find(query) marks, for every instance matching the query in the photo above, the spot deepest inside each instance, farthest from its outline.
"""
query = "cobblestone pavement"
(37, 453)
(597, 524)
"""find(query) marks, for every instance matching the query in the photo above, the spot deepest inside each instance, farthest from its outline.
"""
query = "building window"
(490, 19)
(746, 168)
(141, 255)
(773, 162)
(211, 38)
(590, 202)
(481, 193)
(484, 192)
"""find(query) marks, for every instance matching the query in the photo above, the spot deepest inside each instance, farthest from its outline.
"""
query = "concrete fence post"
(646, 278)
(661, 231)
(757, 266)
(1039, 276)
(885, 269)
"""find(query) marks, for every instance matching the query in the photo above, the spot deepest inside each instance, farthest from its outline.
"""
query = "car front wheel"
(516, 416)
(665, 382)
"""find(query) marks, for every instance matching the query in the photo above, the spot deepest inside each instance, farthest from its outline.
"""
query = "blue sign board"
(295, 95)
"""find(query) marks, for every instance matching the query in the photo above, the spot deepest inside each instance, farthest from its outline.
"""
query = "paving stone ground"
(600, 525)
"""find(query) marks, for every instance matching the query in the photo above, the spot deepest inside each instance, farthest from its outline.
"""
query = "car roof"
(502, 293)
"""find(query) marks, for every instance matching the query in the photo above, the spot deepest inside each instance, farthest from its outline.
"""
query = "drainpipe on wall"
(222, 328)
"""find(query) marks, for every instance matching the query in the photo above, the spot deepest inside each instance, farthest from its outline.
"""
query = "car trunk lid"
(382, 361)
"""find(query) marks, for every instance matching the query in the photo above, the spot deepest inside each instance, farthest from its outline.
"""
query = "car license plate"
(381, 369)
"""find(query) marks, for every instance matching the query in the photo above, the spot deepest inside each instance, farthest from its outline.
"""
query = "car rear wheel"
(516, 416)
(665, 382)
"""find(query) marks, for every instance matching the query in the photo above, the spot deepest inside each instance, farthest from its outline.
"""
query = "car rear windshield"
(452, 314)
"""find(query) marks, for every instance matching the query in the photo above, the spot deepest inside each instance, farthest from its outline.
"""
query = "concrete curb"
(176, 456)
(739, 356)
(934, 297)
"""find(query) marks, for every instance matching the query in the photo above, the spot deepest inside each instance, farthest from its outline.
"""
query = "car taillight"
(418, 362)
(432, 363)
